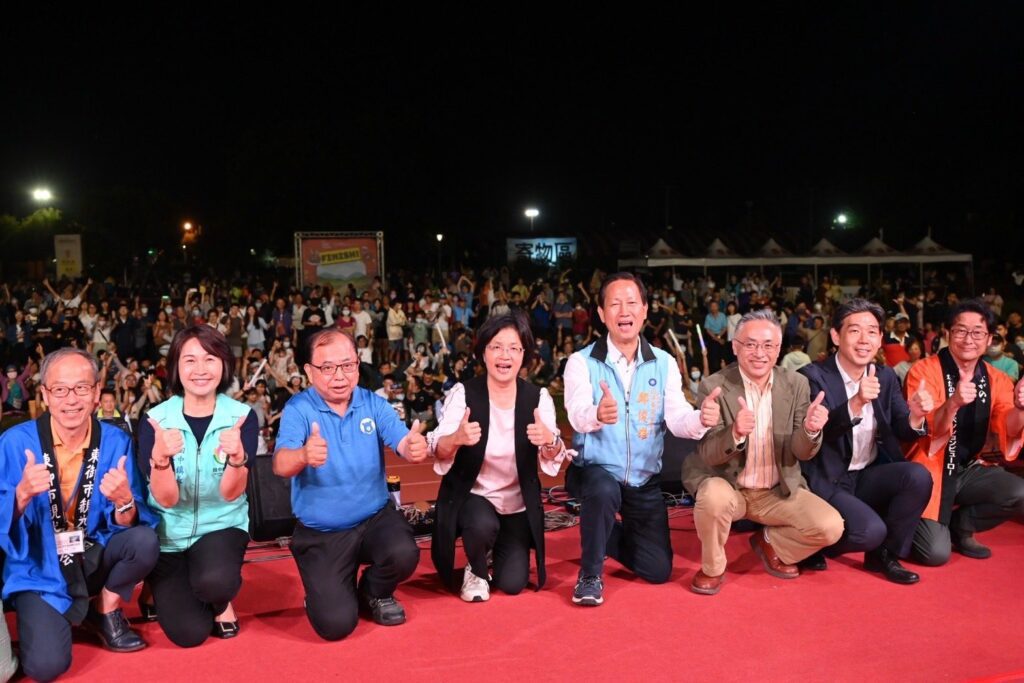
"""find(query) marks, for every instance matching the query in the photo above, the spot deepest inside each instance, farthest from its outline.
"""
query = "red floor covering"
(962, 622)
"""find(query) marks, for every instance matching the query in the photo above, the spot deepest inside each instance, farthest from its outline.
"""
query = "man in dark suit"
(748, 465)
(861, 470)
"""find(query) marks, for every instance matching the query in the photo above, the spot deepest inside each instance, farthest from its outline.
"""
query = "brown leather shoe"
(772, 564)
(707, 585)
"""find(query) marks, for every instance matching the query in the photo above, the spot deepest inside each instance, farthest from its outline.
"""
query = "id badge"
(71, 542)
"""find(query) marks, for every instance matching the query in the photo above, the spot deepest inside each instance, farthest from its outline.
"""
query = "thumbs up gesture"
(414, 447)
(744, 422)
(468, 433)
(314, 453)
(115, 484)
(710, 410)
(607, 407)
(35, 479)
(817, 414)
(1018, 395)
(167, 443)
(537, 432)
(870, 387)
(966, 392)
(231, 441)
(921, 403)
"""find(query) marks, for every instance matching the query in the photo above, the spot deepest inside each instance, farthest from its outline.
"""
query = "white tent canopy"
(823, 254)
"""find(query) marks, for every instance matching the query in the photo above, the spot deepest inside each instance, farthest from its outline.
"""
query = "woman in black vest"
(492, 432)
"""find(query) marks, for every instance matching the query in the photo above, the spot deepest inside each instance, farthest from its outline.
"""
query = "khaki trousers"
(798, 526)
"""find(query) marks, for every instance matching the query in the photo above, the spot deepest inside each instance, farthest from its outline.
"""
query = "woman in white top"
(494, 430)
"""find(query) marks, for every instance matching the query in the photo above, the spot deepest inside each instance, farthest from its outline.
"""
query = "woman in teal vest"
(197, 445)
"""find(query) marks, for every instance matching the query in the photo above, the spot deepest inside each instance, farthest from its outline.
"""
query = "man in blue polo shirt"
(331, 440)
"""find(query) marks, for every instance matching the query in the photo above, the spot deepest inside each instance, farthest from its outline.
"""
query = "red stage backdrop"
(339, 258)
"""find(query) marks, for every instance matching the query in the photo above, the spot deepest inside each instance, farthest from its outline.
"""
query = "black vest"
(456, 485)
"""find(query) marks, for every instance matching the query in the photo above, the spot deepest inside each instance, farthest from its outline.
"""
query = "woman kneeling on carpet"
(196, 446)
(491, 431)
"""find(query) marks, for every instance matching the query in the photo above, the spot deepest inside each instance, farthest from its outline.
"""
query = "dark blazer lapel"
(835, 393)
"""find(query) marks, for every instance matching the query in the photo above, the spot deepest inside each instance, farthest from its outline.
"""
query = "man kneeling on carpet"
(748, 466)
(331, 440)
(861, 470)
(73, 521)
(978, 414)
(492, 430)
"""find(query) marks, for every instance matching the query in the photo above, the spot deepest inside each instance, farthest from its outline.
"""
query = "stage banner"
(339, 258)
(546, 250)
(68, 251)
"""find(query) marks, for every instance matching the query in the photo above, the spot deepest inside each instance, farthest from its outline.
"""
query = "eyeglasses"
(962, 333)
(331, 369)
(751, 346)
(510, 350)
(62, 390)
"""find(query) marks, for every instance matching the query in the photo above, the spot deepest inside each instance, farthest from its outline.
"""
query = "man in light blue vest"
(621, 394)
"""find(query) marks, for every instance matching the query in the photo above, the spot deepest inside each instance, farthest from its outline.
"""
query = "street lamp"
(440, 238)
(531, 213)
(841, 219)
(42, 194)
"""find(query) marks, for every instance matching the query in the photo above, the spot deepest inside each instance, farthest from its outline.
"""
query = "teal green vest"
(200, 508)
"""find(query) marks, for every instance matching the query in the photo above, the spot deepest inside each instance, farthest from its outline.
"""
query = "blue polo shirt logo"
(366, 426)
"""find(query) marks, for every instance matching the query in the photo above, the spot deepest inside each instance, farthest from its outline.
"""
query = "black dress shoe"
(147, 610)
(224, 629)
(967, 546)
(113, 630)
(881, 560)
(815, 563)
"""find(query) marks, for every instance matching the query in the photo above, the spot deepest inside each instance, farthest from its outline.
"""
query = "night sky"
(610, 124)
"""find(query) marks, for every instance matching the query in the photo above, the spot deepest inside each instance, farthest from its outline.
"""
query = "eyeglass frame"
(63, 390)
(353, 364)
(768, 346)
(961, 333)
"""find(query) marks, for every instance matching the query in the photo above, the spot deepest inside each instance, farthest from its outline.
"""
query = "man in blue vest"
(331, 441)
(621, 394)
(74, 523)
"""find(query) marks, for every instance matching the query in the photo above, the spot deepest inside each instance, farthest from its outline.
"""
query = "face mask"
(670, 300)
(345, 311)
(168, 310)
(994, 350)
(1020, 345)
(195, 312)
(695, 374)
(287, 345)
(145, 310)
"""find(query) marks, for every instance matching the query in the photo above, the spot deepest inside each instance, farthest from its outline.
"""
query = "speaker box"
(270, 502)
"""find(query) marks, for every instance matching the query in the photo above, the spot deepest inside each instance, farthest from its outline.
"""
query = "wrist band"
(245, 459)
(126, 507)
(166, 465)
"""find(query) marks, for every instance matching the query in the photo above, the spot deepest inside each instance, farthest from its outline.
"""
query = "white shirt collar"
(615, 356)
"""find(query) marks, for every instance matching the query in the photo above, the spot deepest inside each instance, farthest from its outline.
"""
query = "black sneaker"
(113, 630)
(588, 591)
(385, 611)
(968, 547)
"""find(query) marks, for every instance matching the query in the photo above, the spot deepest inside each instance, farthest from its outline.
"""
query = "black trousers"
(43, 632)
(986, 496)
(640, 542)
(192, 587)
(483, 529)
(328, 563)
(880, 505)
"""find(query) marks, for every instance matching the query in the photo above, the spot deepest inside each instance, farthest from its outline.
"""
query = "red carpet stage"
(962, 622)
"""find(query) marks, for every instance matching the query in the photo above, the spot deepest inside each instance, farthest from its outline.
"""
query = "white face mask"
(695, 374)
(345, 311)
(168, 310)
(287, 345)
(145, 310)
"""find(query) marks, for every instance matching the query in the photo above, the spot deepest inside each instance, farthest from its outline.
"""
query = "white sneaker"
(474, 589)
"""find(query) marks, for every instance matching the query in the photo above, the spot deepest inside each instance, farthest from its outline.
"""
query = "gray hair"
(763, 314)
(50, 359)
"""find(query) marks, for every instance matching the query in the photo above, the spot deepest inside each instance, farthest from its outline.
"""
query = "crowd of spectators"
(415, 334)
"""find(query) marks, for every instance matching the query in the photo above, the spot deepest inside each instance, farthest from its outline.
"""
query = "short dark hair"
(972, 306)
(858, 306)
(105, 391)
(622, 275)
(325, 337)
(213, 342)
(515, 320)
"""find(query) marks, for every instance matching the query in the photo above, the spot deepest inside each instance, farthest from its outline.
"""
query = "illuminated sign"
(548, 250)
